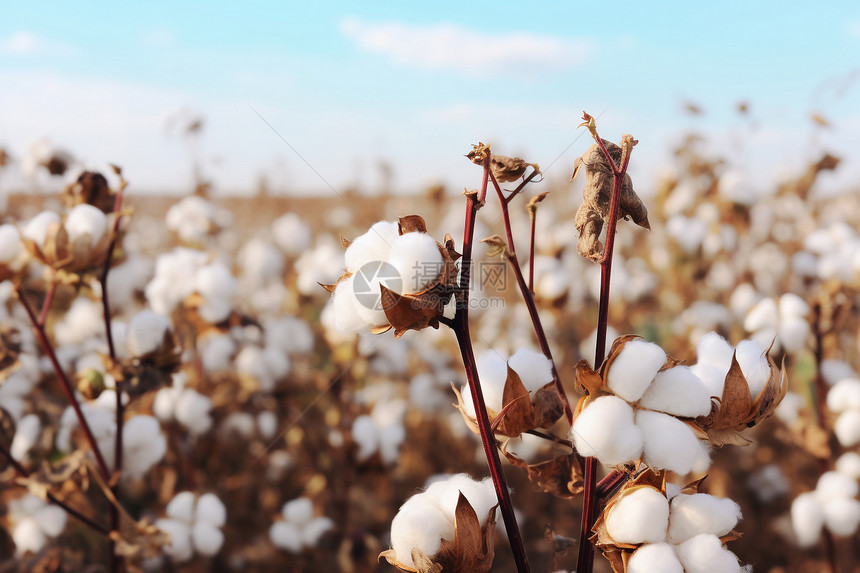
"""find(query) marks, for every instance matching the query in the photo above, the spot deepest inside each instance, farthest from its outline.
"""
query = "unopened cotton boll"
(653, 557)
(419, 526)
(807, 519)
(605, 430)
(632, 371)
(417, 259)
(699, 513)
(533, 368)
(374, 245)
(705, 554)
(84, 219)
(677, 391)
(640, 516)
(37, 228)
(668, 443)
(146, 332)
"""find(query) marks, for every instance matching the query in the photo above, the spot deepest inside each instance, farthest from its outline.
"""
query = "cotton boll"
(291, 234)
(84, 219)
(143, 445)
(492, 373)
(640, 516)
(315, 529)
(751, 358)
(146, 332)
(705, 554)
(181, 507)
(605, 429)
(836, 370)
(374, 245)
(207, 538)
(286, 536)
(267, 423)
(847, 428)
(365, 434)
(51, 519)
(835, 485)
(390, 438)
(417, 259)
(677, 391)
(10, 243)
(842, 516)
(216, 352)
(28, 536)
(792, 305)
(699, 513)
(654, 557)
(844, 395)
(668, 443)
(37, 228)
(165, 403)
(419, 526)
(533, 368)
(27, 434)
(849, 464)
(793, 332)
(344, 303)
(192, 411)
(480, 494)
(210, 509)
(261, 262)
(634, 368)
(714, 350)
(179, 548)
(765, 314)
(807, 519)
(277, 363)
(217, 285)
(298, 511)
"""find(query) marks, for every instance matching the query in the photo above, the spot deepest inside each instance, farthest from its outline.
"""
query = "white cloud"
(26, 43)
(452, 47)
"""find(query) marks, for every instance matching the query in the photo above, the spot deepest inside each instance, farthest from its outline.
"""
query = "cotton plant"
(299, 529)
(782, 323)
(832, 505)
(195, 525)
(33, 523)
(843, 399)
(452, 521)
(188, 407)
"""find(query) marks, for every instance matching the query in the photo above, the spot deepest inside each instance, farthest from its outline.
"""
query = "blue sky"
(351, 84)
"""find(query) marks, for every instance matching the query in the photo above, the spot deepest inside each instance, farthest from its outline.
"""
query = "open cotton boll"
(181, 507)
(10, 243)
(217, 285)
(751, 358)
(417, 259)
(793, 332)
(654, 557)
(634, 368)
(677, 391)
(849, 464)
(51, 519)
(640, 516)
(37, 228)
(193, 411)
(207, 538)
(419, 526)
(792, 305)
(834, 371)
(344, 307)
(705, 554)
(291, 234)
(712, 377)
(765, 314)
(28, 536)
(844, 395)
(714, 350)
(605, 430)
(210, 509)
(146, 332)
(315, 529)
(847, 428)
(668, 443)
(179, 548)
(143, 445)
(298, 511)
(807, 519)
(365, 434)
(493, 373)
(216, 352)
(699, 513)
(84, 219)
(286, 536)
(27, 432)
(842, 516)
(835, 485)
(374, 245)
(480, 494)
(533, 368)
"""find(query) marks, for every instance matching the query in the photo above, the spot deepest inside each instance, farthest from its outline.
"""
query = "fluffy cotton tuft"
(605, 430)
(847, 428)
(37, 228)
(640, 516)
(146, 332)
(677, 391)
(211, 510)
(844, 395)
(533, 368)
(10, 243)
(374, 245)
(807, 519)
(634, 368)
(669, 443)
(143, 445)
(842, 516)
(299, 529)
(849, 464)
(292, 234)
(417, 259)
(419, 526)
(705, 554)
(86, 220)
(653, 557)
(835, 485)
(751, 358)
(699, 513)
(493, 373)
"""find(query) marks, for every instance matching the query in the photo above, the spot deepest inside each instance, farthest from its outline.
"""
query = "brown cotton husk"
(480, 151)
(560, 476)
(471, 551)
(92, 188)
(506, 169)
(737, 410)
(142, 374)
(596, 198)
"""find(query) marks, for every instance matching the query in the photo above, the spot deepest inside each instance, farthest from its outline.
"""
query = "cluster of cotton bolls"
(641, 419)
(843, 399)
(381, 431)
(428, 517)
(676, 533)
(18, 385)
(194, 219)
(191, 409)
(406, 264)
(299, 529)
(261, 282)
(33, 522)
(533, 368)
(832, 505)
(783, 324)
(830, 252)
(183, 272)
(194, 525)
(10, 248)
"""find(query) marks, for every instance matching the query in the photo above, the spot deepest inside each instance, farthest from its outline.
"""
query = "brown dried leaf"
(560, 476)
(412, 224)
(587, 382)
(507, 169)
(479, 153)
(497, 246)
(517, 417)
(531, 206)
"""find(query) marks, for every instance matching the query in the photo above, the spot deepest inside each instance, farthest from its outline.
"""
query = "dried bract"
(507, 169)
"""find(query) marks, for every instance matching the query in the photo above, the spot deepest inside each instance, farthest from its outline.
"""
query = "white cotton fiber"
(193, 411)
(286, 536)
(835, 485)
(292, 234)
(51, 519)
(765, 314)
(713, 377)
(315, 529)
(217, 285)
(668, 443)
(210, 509)
(143, 445)
(807, 519)
(844, 395)
(374, 245)
(298, 511)
(705, 554)
(793, 332)
(418, 260)
(847, 428)
(677, 391)
(605, 430)
(146, 332)
(714, 350)
(27, 433)
(343, 301)
(751, 358)
(365, 434)
(419, 525)
(179, 548)
(640, 516)
(10, 243)
(492, 374)
(634, 368)
(83, 220)
(181, 507)
(699, 513)
(533, 368)
(654, 557)
(207, 538)
(849, 464)
(28, 536)
(37, 228)
(480, 494)
(792, 305)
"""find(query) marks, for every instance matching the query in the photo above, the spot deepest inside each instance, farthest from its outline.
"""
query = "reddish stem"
(532, 228)
(46, 304)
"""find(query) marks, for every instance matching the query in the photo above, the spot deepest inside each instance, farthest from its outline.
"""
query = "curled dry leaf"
(737, 410)
(596, 197)
(560, 476)
(471, 551)
(507, 169)
(480, 152)
(496, 246)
